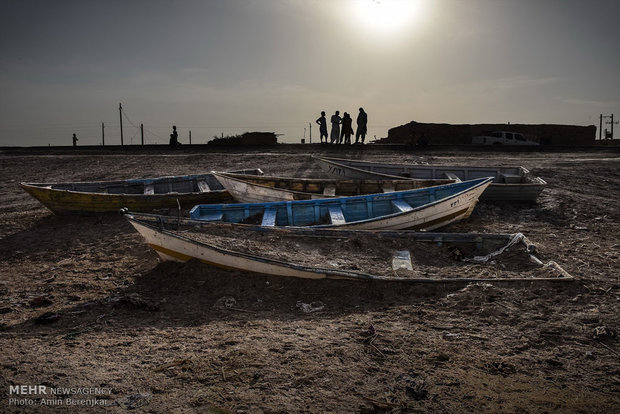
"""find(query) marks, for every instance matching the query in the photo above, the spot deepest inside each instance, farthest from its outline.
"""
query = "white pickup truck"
(502, 138)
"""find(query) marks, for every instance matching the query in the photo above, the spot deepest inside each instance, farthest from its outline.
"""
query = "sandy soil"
(84, 303)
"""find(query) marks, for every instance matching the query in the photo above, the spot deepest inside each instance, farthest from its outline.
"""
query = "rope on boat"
(516, 238)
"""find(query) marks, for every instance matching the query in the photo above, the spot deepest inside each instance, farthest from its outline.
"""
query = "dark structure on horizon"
(248, 138)
(453, 134)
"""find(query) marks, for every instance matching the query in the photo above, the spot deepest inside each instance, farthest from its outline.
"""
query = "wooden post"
(142, 133)
(600, 128)
(120, 113)
(612, 126)
(190, 137)
(102, 135)
(310, 125)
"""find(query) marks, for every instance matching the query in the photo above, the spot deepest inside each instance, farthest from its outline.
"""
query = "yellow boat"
(144, 194)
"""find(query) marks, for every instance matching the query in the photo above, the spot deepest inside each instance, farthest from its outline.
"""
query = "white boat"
(421, 209)
(509, 183)
(402, 256)
(262, 189)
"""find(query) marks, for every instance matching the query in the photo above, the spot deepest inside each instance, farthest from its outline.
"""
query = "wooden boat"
(509, 183)
(262, 189)
(420, 209)
(144, 194)
(362, 255)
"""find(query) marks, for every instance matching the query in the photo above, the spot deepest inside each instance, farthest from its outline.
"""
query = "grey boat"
(509, 183)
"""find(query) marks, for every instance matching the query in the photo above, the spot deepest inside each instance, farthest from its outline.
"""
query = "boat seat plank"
(203, 187)
(452, 176)
(217, 216)
(329, 190)
(149, 189)
(336, 216)
(511, 178)
(402, 205)
(269, 217)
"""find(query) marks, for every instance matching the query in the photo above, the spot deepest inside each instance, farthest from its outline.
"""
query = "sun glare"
(387, 16)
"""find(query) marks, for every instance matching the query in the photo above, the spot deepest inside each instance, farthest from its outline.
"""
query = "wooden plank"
(336, 216)
(388, 187)
(203, 187)
(149, 189)
(511, 178)
(329, 190)
(212, 217)
(269, 217)
(401, 205)
(452, 176)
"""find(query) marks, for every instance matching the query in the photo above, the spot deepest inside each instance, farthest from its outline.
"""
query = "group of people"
(343, 136)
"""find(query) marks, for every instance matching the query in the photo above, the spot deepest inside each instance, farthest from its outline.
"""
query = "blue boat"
(420, 209)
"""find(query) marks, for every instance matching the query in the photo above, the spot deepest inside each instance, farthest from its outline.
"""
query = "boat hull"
(179, 246)
(509, 183)
(423, 209)
(246, 189)
(64, 202)
(145, 194)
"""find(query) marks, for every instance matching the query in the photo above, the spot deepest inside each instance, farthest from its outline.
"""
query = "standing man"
(75, 140)
(362, 122)
(347, 129)
(335, 133)
(322, 126)
(174, 137)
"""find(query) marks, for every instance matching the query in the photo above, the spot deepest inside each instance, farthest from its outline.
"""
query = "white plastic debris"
(518, 237)
(310, 307)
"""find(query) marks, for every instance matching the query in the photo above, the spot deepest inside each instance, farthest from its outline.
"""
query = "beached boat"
(421, 209)
(348, 254)
(509, 183)
(144, 194)
(261, 189)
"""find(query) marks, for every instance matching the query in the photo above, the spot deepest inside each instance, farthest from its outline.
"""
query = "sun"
(386, 16)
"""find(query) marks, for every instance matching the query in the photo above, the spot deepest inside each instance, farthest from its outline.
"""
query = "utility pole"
(102, 135)
(142, 133)
(310, 125)
(600, 128)
(190, 137)
(120, 113)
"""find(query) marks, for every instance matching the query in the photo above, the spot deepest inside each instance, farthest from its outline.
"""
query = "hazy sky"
(272, 65)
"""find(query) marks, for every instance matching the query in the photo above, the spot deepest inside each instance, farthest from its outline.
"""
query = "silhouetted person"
(347, 128)
(336, 121)
(75, 140)
(322, 126)
(174, 137)
(362, 122)
(342, 128)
